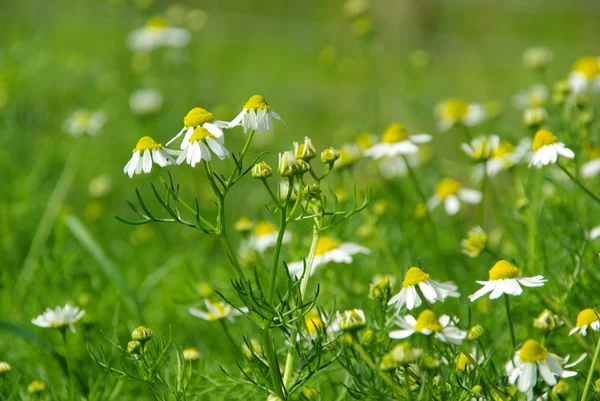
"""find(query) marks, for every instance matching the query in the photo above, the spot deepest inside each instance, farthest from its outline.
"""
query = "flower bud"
(597, 386)
(36, 386)
(537, 58)
(304, 151)
(368, 337)
(477, 389)
(4, 367)
(272, 397)
(547, 321)
(288, 166)
(351, 320)
(388, 363)
(141, 334)
(312, 190)
(534, 116)
(303, 166)
(380, 207)
(430, 362)
(261, 170)
(329, 155)
(404, 353)
(475, 242)
(381, 287)
(310, 394)
(133, 347)
(474, 333)
(191, 354)
(244, 225)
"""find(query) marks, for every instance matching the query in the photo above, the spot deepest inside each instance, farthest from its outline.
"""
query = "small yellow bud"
(310, 394)
(141, 334)
(388, 363)
(329, 155)
(430, 362)
(36, 386)
(288, 165)
(475, 242)
(133, 347)
(381, 287)
(351, 320)
(204, 289)
(404, 353)
(261, 170)
(368, 337)
(303, 166)
(191, 354)
(477, 389)
(561, 389)
(420, 210)
(380, 207)
(304, 151)
(4, 367)
(474, 333)
(244, 225)
(547, 321)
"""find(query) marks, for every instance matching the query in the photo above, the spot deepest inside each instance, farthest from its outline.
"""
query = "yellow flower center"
(543, 138)
(455, 109)
(589, 66)
(447, 187)
(476, 241)
(220, 314)
(196, 117)
(156, 22)
(395, 133)
(504, 148)
(503, 270)
(462, 362)
(414, 276)
(586, 317)
(427, 320)
(146, 143)
(264, 228)
(200, 134)
(314, 324)
(326, 244)
(364, 140)
(83, 118)
(256, 102)
(532, 351)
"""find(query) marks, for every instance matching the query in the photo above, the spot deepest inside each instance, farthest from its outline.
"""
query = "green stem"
(407, 380)
(579, 183)
(482, 203)
(588, 381)
(234, 345)
(510, 322)
(246, 145)
(363, 354)
(63, 332)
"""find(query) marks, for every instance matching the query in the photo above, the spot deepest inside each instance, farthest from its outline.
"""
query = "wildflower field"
(278, 200)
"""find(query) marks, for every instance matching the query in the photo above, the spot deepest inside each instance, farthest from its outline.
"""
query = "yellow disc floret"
(414, 276)
(395, 133)
(200, 134)
(196, 117)
(264, 228)
(220, 313)
(326, 244)
(447, 187)
(586, 317)
(543, 138)
(504, 148)
(427, 320)
(364, 140)
(532, 351)
(314, 324)
(146, 143)
(455, 109)
(156, 23)
(256, 102)
(503, 270)
(589, 66)
(463, 362)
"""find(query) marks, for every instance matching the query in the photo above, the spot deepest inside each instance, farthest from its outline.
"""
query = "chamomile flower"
(144, 102)
(146, 152)
(256, 115)
(536, 58)
(198, 147)
(84, 121)
(329, 250)
(505, 156)
(475, 243)
(527, 361)
(452, 193)
(432, 290)
(198, 117)
(481, 148)
(456, 111)
(585, 74)
(265, 236)
(590, 168)
(535, 96)
(349, 154)
(505, 279)
(216, 311)
(587, 318)
(428, 323)
(396, 141)
(546, 149)
(397, 167)
(157, 34)
(59, 318)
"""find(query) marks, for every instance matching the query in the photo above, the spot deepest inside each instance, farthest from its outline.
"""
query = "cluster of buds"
(139, 337)
(381, 288)
(547, 321)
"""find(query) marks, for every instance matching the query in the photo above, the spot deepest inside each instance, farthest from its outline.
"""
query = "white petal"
(470, 195)
(452, 205)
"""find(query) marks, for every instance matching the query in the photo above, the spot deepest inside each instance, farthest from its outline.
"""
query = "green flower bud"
(304, 151)
(405, 353)
(475, 242)
(4, 367)
(141, 334)
(261, 170)
(244, 225)
(561, 389)
(381, 287)
(474, 333)
(303, 166)
(288, 165)
(534, 117)
(191, 354)
(368, 337)
(36, 387)
(310, 394)
(134, 347)
(272, 397)
(547, 321)
(329, 155)
(430, 362)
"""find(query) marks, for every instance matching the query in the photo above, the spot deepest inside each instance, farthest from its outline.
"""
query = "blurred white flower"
(452, 193)
(396, 167)
(157, 34)
(481, 148)
(546, 149)
(145, 153)
(100, 186)
(535, 96)
(256, 115)
(265, 236)
(144, 102)
(83, 121)
(217, 311)
(585, 74)
(590, 168)
(452, 111)
(59, 318)
(428, 323)
(396, 141)
(537, 57)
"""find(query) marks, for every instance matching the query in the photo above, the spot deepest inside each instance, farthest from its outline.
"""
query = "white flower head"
(195, 118)
(546, 149)
(144, 102)
(397, 167)
(146, 152)
(432, 290)
(265, 236)
(59, 318)
(256, 115)
(83, 121)
(590, 168)
(456, 111)
(587, 318)
(535, 96)
(530, 359)
(329, 250)
(217, 311)
(396, 141)
(537, 57)
(349, 154)
(585, 74)
(157, 34)
(452, 193)
(505, 279)
(505, 156)
(428, 323)
(481, 148)
(199, 147)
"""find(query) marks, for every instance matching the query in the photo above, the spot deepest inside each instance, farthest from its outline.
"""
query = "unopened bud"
(430, 362)
(36, 387)
(368, 337)
(405, 353)
(547, 321)
(351, 320)
(288, 166)
(381, 287)
(561, 389)
(4, 367)
(303, 166)
(191, 354)
(141, 334)
(474, 333)
(329, 155)
(310, 394)
(133, 347)
(304, 151)
(535, 116)
(388, 363)
(272, 397)
(261, 170)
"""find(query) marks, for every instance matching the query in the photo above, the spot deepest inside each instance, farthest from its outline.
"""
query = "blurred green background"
(329, 78)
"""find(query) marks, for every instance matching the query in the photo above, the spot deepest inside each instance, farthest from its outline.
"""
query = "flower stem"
(588, 381)
(579, 183)
(363, 354)
(510, 322)
(483, 187)
(63, 332)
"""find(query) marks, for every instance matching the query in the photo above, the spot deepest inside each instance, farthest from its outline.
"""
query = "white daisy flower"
(157, 34)
(432, 290)
(329, 250)
(349, 154)
(145, 153)
(505, 279)
(456, 111)
(505, 156)
(198, 117)
(537, 57)
(397, 167)
(585, 74)
(256, 115)
(198, 147)
(527, 361)
(546, 149)
(396, 141)
(59, 318)
(144, 102)
(481, 148)
(535, 96)
(452, 193)
(83, 121)
(265, 236)
(590, 168)
(428, 323)
(586, 318)
(216, 311)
